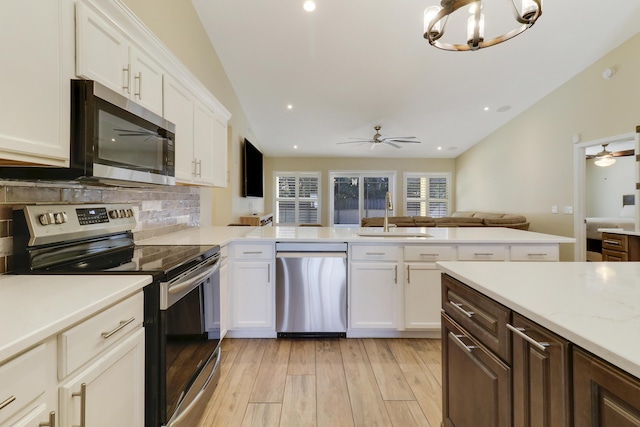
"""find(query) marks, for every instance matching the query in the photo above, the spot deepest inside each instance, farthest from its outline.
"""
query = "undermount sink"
(393, 234)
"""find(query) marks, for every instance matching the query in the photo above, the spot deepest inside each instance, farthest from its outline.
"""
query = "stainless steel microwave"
(113, 140)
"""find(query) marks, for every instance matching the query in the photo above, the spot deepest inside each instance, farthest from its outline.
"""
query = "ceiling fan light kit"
(436, 18)
(604, 158)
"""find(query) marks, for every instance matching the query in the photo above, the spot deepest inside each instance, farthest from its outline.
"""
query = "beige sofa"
(457, 219)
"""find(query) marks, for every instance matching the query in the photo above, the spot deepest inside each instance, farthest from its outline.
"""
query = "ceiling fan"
(378, 138)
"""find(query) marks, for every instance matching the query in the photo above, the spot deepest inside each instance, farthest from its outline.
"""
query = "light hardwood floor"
(327, 382)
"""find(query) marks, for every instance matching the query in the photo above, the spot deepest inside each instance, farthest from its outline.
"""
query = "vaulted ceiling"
(354, 64)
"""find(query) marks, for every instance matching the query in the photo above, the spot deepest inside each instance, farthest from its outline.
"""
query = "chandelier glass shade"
(436, 18)
(604, 158)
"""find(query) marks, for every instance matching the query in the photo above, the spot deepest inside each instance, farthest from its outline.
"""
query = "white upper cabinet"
(178, 109)
(106, 55)
(37, 66)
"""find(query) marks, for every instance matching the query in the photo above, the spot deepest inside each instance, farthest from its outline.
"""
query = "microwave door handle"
(189, 282)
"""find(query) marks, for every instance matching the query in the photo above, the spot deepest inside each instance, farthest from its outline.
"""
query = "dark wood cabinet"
(541, 377)
(620, 247)
(476, 383)
(604, 396)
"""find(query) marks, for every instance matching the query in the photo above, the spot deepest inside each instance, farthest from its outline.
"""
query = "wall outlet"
(554, 209)
(568, 210)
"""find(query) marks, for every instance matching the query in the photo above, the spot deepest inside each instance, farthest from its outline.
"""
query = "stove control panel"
(55, 223)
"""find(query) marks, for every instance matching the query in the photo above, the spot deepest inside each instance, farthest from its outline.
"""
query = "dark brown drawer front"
(614, 256)
(615, 242)
(484, 318)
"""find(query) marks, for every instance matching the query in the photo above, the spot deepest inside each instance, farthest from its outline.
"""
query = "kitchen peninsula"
(556, 340)
(393, 287)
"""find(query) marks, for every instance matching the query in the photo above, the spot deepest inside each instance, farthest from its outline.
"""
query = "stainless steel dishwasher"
(311, 289)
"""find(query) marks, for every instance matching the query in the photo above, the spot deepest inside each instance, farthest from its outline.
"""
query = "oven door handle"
(180, 286)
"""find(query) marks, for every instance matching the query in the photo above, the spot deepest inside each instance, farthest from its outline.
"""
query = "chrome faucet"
(388, 206)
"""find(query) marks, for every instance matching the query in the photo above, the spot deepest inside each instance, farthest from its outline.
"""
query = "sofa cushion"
(462, 214)
(424, 221)
(486, 215)
(507, 219)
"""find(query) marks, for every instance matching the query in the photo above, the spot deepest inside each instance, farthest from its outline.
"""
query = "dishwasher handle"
(311, 255)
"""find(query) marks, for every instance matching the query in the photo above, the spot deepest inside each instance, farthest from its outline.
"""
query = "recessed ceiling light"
(439, 148)
(309, 6)
(290, 107)
(295, 147)
(486, 108)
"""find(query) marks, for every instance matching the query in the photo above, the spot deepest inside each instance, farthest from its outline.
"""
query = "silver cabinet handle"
(395, 272)
(458, 306)
(7, 402)
(408, 274)
(428, 254)
(375, 253)
(83, 404)
(269, 273)
(537, 254)
(456, 339)
(199, 168)
(123, 323)
(139, 79)
(483, 254)
(252, 253)
(51, 422)
(127, 81)
(542, 346)
(611, 242)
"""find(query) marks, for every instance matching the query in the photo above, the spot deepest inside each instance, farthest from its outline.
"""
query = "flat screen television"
(252, 171)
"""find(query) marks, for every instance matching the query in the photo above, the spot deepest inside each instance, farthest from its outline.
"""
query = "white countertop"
(439, 235)
(34, 308)
(619, 231)
(594, 305)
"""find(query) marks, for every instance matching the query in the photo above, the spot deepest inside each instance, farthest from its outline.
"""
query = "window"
(356, 195)
(427, 194)
(297, 198)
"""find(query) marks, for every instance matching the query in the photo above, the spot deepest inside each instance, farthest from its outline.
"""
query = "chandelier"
(436, 18)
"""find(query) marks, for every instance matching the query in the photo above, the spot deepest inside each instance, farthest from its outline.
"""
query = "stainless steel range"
(182, 305)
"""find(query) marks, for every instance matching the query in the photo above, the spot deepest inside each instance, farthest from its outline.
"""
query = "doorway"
(581, 190)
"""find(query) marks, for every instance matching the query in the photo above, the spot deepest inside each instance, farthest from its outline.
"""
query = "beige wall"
(329, 164)
(176, 24)
(527, 165)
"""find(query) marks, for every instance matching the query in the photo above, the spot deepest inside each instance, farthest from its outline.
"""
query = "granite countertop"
(594, 305)
(34, 308)
(438, 235)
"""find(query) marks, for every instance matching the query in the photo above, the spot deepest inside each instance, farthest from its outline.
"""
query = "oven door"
(190, 346)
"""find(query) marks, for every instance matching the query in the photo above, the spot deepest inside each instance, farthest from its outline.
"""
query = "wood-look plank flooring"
(327, 383)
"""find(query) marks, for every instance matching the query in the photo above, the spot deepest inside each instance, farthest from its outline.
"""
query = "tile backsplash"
(159, 209)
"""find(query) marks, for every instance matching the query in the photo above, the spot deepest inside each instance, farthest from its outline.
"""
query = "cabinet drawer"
(22, 380)
(534, 253)
(615, 242)
(484, 318)
(614, 256)
(251, 252)
(81, 343)
(374, 253)
(428, 253)
(481, 253)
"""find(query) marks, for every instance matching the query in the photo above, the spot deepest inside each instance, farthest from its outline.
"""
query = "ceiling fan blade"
(372, 146)
(386, 138)
(391, 144)
(404, 141)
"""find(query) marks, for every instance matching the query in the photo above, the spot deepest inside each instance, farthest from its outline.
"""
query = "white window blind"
(297, 198)
(427, 194)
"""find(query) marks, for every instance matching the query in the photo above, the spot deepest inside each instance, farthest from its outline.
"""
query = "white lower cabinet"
(72, 379)
(375, 287)
(224, 291)
(252, 286)
(110, 392)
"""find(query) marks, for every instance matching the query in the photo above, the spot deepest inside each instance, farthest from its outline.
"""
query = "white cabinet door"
(374, 291)
(146, 80)
(422, 296)
(112, 388)
(102, 51)
(37, 66)
(178, 109)
(224, 294)
(203, 148)
(220, 151)
(253, 297)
